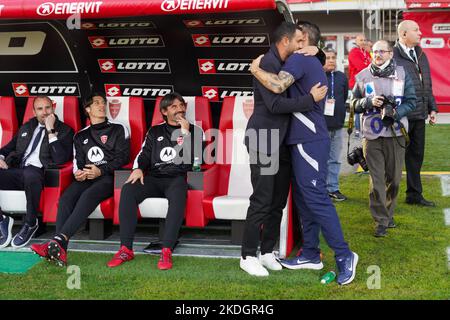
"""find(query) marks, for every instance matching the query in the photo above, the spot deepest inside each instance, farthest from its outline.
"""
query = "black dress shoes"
(421, 202)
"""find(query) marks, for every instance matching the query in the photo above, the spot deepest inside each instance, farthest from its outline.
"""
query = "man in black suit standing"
(270, 162)
(40, 143)
(409, 55)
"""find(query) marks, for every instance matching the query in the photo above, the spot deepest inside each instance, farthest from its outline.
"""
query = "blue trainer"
(5, 231)
(301, 262)
(347, 269)
(24, 236)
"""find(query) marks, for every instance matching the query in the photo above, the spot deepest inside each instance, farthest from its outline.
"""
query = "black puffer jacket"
(424, 92)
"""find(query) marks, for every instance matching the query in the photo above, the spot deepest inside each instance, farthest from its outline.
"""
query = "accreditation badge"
(397, 88)
(329, 107)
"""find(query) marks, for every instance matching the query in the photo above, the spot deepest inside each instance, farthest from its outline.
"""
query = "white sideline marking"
(447, 216)
(448, 256)
(445, 182)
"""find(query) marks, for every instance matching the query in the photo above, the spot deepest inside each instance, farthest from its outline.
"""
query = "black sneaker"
(380, 231)
(155, 247)
(5, 231)
(24, 236)
(337, 196)
(392, 224)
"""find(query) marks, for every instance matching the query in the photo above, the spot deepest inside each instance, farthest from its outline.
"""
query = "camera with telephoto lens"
(387, 111)
(357, 156)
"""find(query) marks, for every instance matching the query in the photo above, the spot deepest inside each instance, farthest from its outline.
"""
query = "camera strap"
(351, 123)
(404, 134)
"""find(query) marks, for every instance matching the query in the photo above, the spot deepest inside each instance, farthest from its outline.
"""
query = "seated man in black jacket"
(167, 153)
(99, 149)
(40, 143)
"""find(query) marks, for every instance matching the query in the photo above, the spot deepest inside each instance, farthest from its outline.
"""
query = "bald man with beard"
(409, 55)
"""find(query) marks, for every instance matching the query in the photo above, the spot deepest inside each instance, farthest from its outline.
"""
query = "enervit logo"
(134, 66)
(146, 91)
(28, 43)
(91, 25)
(441, 28)
(224, 66)
(185, 5)
(231, 40)
(54, 89)
(102, 42)
(218, 93)
(48, 8)
(224, 22)
(432, 43)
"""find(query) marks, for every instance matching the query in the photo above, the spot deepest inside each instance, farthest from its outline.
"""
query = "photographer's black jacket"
(164, 157)
(50, 154)
(106, 145)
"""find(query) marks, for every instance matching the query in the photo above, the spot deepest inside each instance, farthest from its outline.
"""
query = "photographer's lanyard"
(332, 85)
(330, 102)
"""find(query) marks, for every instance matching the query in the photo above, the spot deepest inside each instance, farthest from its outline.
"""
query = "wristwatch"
(51, 131)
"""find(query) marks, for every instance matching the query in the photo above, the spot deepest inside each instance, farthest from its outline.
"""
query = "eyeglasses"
(381, 52)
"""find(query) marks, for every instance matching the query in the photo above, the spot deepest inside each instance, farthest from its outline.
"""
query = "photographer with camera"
(384, 94)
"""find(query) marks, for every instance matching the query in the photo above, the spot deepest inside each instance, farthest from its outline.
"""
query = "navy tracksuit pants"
(316, 210)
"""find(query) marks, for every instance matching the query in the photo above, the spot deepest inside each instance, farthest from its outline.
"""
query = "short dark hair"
(90, 99)
(42, 97)
(167, 100)
(312, 30)
(329, 50)
(285, 29)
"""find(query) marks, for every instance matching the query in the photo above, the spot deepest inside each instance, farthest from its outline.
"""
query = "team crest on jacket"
(104, 138)
(180, 140)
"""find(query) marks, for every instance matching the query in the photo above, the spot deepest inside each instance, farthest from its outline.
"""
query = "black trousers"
(174, 189)
(78, 202)
(267, 202)
(31, 180)
(414, 159)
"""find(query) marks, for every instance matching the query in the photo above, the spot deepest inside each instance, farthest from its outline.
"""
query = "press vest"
(370, 85)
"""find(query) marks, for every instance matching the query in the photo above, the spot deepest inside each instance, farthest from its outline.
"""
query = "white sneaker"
(252, 266)
(269, 261)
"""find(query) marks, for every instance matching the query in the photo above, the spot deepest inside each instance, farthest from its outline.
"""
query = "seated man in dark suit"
(40, 143)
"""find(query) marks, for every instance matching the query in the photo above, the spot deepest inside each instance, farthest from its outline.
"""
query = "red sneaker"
(165, 260)
(123, 255)
(57, 253)
(41, 249)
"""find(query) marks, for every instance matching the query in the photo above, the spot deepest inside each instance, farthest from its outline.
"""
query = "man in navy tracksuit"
(310, 145)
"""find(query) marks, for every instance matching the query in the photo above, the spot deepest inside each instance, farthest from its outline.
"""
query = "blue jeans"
(334, 163)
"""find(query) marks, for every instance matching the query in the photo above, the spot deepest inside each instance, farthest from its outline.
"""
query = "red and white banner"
(435, 28)
(432, 4)
(61, 9)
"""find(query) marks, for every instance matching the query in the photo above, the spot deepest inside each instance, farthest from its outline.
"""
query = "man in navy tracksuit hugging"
(99, 149)
(310, 145)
